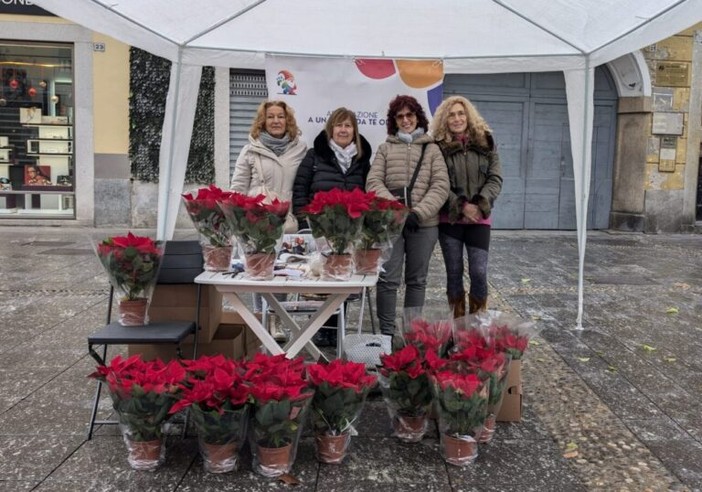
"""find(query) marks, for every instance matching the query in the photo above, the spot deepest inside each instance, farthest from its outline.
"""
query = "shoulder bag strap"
(416, 169)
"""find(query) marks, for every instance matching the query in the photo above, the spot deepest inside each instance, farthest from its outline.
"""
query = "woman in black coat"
(340, 159)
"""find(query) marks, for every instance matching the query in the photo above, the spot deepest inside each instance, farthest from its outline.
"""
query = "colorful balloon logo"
(417, 74)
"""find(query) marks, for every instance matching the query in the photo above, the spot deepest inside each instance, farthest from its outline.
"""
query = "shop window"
(36, 130)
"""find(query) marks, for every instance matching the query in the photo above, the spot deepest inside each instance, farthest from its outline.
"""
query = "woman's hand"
(472, 213)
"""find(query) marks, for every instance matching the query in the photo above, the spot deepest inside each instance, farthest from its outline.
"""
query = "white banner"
(315, 87)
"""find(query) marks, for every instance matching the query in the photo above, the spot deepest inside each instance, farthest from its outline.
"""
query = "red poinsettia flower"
(512, 342)
(131, 263)
(429, 336)
(142, 392)
(281, 397)
(340, 388)
(337, 216)
(382, 222)
(465, 384)
(256, 224)
(206, 215)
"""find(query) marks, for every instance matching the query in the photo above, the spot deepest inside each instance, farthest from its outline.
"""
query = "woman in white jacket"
(268, 163)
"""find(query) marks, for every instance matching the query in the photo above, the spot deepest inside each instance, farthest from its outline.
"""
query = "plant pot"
(132, 312)
(332, 449)
(219, 458)
(145, 455)
(217, 258)
(366, 261)
(410, 429)
(274, 462)
(259, 266)
(459, 451)
(337, 267)
(489, 430)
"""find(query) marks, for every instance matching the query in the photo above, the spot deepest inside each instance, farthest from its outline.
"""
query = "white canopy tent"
(470, 36)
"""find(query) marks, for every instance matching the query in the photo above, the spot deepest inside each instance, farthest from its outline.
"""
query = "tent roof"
(469, 35)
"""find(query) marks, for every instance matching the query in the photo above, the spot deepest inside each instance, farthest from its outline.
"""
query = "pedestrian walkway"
(614, 407)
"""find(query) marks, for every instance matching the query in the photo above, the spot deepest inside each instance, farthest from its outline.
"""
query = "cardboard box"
(229, 342)
(251, 342)
(177, 302)
(511, 410)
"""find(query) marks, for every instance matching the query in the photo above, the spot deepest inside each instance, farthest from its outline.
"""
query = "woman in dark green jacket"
(475, 177)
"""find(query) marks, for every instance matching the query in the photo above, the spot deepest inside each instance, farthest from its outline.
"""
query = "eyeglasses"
(402, 116)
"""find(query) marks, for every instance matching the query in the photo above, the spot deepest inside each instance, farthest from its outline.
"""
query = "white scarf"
(344, 155)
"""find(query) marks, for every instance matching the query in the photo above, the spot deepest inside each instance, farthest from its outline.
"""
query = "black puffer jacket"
(320, 171)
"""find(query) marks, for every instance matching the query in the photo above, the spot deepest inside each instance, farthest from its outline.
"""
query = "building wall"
(111, 108)
(672, 154)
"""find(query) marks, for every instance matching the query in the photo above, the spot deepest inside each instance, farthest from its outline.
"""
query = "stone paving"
(613, 407)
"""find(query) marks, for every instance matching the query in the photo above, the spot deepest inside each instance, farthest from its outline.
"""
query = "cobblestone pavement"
(613, 407)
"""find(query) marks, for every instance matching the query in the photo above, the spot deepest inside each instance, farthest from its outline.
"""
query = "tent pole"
(165, 171)
(584, 182)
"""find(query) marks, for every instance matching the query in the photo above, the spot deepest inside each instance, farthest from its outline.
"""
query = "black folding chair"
(181, 263)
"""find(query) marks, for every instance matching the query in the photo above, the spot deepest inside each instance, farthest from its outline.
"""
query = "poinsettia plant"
(428, 336)
(218, 397)
(337, 216)
(513, 337)
(281, 397)
(489, 363)
(142, 393)
(382, 222)
(340, 389)
(131, 262)
(405, 383)
(208, 218)
(462, 401)
(257, 225)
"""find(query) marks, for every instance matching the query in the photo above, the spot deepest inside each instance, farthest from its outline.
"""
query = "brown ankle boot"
(475, 305)
(458, 306)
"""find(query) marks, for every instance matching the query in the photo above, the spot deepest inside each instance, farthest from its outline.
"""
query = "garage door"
(529, 115)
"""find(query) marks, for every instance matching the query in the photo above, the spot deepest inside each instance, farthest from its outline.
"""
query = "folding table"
(232, 285)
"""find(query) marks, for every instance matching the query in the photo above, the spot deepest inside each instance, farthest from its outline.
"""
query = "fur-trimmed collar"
(454, 147)
(321, 147)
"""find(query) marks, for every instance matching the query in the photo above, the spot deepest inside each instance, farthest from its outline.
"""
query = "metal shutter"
(247, 88)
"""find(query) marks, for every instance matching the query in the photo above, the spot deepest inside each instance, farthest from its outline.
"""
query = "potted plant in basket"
(208, 218)
(132, 264)
(462, 405)
(341, 388)
(258, 227)
(382, 224)
(405, 386)
(218, 398)
(281, 398)
(336, 216)
(142, 393)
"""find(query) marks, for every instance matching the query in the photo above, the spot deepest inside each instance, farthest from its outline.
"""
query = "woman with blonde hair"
(268, 163)
(475, 177)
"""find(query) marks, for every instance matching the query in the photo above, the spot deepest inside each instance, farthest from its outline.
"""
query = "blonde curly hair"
(477, 130)
(259, 123)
